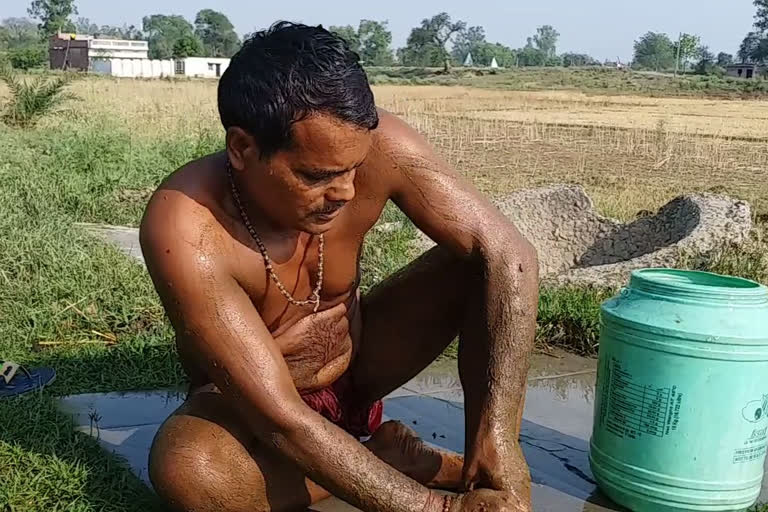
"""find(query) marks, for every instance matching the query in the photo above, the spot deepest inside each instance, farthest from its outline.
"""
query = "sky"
(605, 29)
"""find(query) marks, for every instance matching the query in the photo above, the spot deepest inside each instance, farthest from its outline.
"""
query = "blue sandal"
(14, 382)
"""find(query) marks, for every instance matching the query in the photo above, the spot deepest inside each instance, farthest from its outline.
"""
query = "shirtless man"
(255, 253)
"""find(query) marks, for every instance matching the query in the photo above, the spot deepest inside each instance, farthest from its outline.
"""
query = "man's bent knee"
(198, 465)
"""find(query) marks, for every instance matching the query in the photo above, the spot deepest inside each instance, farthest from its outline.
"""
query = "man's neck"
(271, 231)
(268, 228)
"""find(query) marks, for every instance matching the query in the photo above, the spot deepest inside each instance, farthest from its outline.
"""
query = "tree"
(545, 40)
(724, 59)
(578, 60)
(129, 32)
(53, 15)
(760, 54)
(18, 33)
(472, 40)
(707, 64)
(468, 41)
(163, 31)
(375, 42)
(419, 50)
(761, 18)
(84, 26)
(371, 41)
(426, 46)
(686, 49)
(749, 51)
(216, 33)
(754, 47)
(531, 56)
(555, 61)
(485, 52)
(654, 51)
(187, 46)
(349, 34)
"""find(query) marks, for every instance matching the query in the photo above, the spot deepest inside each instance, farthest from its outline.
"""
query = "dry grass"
(631, 153)
(697, 116)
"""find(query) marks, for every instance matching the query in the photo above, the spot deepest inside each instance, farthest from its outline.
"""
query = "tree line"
(658, 52)
(439, 41)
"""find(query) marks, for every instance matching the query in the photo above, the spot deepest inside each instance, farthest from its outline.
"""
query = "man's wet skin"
(246, 438)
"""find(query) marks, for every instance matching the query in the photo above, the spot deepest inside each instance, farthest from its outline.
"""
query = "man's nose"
(342, 189)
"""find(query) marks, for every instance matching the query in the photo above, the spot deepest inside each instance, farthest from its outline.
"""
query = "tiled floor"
(556, 427)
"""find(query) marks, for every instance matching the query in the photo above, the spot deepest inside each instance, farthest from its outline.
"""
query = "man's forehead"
(325, 140)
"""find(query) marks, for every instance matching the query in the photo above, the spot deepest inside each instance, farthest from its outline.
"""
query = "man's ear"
(241, 147)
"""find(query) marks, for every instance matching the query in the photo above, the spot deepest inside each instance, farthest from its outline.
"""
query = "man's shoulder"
(390, 125)
(183, 214)
(395, 138)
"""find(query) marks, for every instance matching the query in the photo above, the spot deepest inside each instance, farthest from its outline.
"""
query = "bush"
(32, 99)
(28, 58)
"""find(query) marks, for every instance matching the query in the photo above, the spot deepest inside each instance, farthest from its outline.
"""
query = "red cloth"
(334, 404)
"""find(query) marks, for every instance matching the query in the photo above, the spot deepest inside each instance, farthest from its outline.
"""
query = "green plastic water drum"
(681, 408)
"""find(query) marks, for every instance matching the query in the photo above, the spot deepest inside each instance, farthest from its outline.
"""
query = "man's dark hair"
(287, 73)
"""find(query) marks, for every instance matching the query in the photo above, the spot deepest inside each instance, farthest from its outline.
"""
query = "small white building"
(494, 63)
(192, 67)
(744, 70)
(201, 67)
(79, 52)
(469, 61)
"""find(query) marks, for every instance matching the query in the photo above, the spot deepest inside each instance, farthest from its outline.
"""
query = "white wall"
(145, 68)
(133, 68)
(204, 67)
(119, 49)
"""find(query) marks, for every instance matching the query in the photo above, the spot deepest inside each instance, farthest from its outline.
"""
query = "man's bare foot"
(401, 448)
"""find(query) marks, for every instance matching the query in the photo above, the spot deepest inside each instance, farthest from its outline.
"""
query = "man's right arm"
(211, 311)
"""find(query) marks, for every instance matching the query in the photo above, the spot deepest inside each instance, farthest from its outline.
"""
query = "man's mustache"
(330, 208)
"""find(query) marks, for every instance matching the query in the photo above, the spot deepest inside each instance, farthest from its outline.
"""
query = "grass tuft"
(33, 98)
(569, 318)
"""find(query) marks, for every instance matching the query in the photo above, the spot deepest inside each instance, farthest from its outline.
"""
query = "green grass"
(595, 80)
(97, 307)
(46, 466)
(569, 318)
